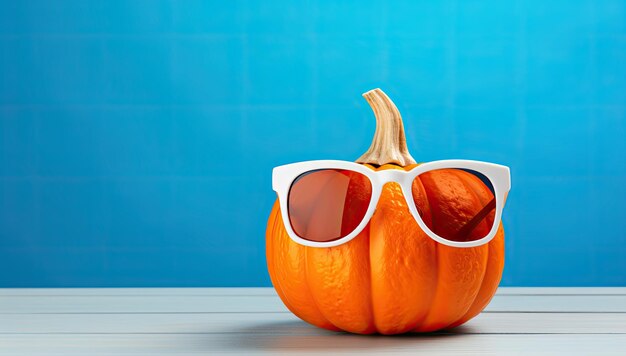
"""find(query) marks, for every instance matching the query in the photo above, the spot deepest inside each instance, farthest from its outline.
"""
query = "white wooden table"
(253, 320)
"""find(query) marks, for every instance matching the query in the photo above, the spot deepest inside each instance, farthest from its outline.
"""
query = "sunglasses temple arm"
(471, 224)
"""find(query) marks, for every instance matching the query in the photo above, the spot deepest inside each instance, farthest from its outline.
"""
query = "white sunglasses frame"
(284, 176)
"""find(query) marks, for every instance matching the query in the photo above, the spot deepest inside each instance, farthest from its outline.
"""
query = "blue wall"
(137, 137)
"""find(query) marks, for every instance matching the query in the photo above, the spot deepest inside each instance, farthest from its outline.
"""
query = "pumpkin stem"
(389, 143)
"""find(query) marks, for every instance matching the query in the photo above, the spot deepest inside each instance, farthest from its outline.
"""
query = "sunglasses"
(328, 203)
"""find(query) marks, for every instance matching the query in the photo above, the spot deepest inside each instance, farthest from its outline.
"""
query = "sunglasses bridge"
(391, 176)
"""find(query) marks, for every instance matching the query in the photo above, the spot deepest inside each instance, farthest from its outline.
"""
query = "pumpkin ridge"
(308, 286)
(484, 272)
(475, 309)
(279, 229)
(371, 286)
(437, 262)
(460, 321)
(340, 293)
(431, 317)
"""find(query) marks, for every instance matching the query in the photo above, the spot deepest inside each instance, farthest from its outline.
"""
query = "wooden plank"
(559, 303)
(286, 323)
(148, 292)
(271, 303)
(561, 291)
(140, 304)
(155, 292)
(161, 344)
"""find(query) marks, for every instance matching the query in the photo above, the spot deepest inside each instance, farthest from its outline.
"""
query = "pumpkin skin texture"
(392, 278)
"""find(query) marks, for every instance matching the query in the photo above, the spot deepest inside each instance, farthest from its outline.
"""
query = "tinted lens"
(328, 204)
(456, 204)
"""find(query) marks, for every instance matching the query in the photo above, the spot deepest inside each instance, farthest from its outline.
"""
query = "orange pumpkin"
(392, 278)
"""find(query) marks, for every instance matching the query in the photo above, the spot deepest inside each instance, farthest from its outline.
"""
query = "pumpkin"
(392, 278)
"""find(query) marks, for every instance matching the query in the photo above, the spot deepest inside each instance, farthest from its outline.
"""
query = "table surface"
(156, 321)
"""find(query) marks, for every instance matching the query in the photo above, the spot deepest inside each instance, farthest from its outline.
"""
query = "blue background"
(137, 137)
